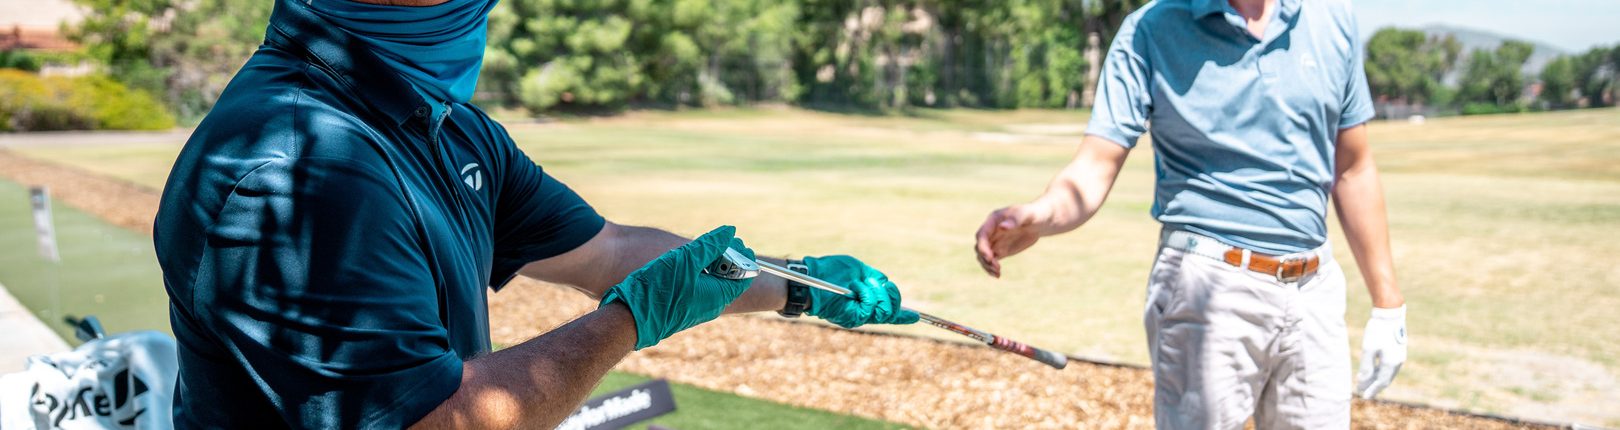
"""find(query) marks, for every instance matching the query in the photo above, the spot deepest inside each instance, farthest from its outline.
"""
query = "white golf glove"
(1383, 351)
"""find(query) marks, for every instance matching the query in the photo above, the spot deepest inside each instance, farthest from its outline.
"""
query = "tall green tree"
(203, 47)
(837, 52)
(564, 52)
(979, 53)
(1592, 76)
(1494, 78)
(1558, 89)
(119, 34)
(1409, 65)
(1106, 16)
(184, 52)
(609, 54)
(1048, 62)
(692, 60)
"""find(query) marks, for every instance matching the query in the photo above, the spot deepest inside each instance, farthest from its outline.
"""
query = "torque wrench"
(736, 265)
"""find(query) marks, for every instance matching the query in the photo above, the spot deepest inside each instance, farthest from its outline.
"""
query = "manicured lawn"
(105, 271)
(1506, 228)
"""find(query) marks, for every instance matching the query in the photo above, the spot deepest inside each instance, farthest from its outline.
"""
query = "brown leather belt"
(1288, 269)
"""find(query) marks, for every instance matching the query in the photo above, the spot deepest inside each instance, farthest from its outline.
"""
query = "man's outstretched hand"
(671, 293)
(1006, 232)
(875, 299)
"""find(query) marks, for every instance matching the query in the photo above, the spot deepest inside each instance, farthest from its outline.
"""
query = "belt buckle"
(1290, 276)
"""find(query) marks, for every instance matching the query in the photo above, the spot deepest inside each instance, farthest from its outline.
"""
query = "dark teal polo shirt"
(327, 237)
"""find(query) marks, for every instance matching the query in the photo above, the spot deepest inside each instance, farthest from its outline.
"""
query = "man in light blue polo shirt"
(1257, 110)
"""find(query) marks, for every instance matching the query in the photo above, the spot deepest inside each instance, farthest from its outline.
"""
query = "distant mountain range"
(1473, 38)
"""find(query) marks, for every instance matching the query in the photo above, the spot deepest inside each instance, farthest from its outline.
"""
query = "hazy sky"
(1574, 25)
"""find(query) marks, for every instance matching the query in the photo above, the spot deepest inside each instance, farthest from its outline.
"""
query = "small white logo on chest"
(472, 176)
(1308, 60)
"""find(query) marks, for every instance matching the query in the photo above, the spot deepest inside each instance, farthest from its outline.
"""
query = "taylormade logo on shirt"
(472, 176)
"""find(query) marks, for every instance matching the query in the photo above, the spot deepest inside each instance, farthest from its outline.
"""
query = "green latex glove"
(875, 300)
(672, 293)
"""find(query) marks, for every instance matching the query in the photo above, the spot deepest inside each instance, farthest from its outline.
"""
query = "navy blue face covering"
(438, 48)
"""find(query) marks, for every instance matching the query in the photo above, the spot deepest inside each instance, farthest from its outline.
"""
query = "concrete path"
(25, 335)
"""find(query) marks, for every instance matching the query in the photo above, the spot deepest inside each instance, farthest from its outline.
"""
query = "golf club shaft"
(997, 342)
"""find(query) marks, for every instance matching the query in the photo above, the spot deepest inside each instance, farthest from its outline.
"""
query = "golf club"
(734, 265)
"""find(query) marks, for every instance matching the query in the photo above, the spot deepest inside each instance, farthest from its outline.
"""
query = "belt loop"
(1246, 253)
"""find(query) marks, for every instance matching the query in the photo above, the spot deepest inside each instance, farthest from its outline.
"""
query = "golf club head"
(733, 265)
(86, 329)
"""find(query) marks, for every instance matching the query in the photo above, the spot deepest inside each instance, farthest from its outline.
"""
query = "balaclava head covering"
(438, 48)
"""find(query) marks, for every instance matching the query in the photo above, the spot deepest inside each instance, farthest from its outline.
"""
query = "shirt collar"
(1286, 12)
(294, 26)
(1286, 9)
(1203, 8)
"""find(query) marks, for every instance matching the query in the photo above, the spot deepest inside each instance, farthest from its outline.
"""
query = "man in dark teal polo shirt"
(328, 233)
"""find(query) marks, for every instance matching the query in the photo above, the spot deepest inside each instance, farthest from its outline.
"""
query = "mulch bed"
(915, 381)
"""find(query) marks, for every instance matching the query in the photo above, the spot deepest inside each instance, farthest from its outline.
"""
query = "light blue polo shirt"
(1243, 127)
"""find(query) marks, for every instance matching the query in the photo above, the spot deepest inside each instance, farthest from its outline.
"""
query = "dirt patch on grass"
(122, 203)
(908, 380)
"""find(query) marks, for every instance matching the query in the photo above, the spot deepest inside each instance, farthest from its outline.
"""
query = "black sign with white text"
(623, 408)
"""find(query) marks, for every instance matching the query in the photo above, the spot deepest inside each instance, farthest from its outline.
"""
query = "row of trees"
(865, 54)
(610, 54)
(1410, 67)
(606, 55)
(1582, 79)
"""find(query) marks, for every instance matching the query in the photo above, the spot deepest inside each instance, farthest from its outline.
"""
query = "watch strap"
(798, 294)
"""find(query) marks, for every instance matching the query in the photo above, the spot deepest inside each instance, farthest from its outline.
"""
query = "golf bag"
(124, 381)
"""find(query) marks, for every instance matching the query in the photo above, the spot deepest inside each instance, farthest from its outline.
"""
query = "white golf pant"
(1228, 343)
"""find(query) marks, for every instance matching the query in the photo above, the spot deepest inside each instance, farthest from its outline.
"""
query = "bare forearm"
(1360, 202)
(1359, 198)
(1078, 191)
(538, 383)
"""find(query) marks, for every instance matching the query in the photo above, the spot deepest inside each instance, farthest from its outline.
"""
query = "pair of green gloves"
(672, 293)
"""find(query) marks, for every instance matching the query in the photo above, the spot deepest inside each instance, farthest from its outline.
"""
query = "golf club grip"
(1046, 357)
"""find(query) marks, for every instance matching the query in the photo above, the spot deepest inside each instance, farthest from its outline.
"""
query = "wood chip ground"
(914, 381)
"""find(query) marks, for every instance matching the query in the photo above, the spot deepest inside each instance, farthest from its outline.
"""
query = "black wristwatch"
(798, 294)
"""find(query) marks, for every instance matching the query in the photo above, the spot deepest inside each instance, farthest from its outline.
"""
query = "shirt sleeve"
(1120, 111)
(1356, 107)
(319, 289)
(536, 216)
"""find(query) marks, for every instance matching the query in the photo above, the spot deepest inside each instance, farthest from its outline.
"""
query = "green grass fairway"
(1506, 228)
(112, 273)
(698, 408)
(105, 271)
